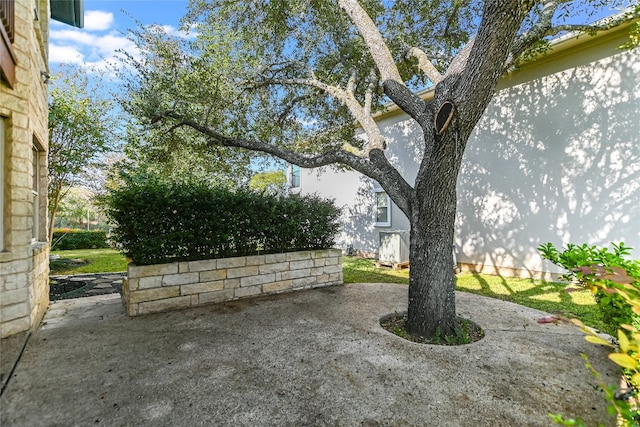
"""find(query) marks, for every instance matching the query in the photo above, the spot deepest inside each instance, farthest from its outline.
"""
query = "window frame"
(2, 182)
(38, 191)
(377, 222)
(295, 176)
(8, 57)
(35, 192)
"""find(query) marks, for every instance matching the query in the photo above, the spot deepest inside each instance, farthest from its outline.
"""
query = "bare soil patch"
(467, 332)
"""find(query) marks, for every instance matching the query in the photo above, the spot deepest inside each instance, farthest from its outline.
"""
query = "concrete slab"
(10, 349)
(311, 358)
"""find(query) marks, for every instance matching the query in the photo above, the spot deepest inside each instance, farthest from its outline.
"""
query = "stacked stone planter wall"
(162, 287)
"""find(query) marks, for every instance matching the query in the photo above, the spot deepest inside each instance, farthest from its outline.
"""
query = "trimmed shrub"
(159, 222)
(615, 280)
(71, 239)
(613, 308)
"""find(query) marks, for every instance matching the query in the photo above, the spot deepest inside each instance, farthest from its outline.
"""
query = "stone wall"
(24, 253)
(162, 287)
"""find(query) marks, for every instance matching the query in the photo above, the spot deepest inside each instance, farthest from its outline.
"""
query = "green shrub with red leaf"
(575, 258)
(616, 280)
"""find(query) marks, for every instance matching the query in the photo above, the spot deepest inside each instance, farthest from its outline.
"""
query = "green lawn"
(360, 270)
(545, 296)
(87, 261)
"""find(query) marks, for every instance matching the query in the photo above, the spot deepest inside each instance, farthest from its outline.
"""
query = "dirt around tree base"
(467, 332)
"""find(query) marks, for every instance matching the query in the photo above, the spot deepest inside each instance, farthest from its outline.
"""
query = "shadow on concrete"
(310, 358)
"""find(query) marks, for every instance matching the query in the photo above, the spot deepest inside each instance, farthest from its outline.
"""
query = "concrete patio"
(311, 358)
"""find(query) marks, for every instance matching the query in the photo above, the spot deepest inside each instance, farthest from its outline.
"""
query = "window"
(35, 193)
(383, 209)
(68, 11)
(1, 184)
(38, 192)
(294, 177)
(8, 58)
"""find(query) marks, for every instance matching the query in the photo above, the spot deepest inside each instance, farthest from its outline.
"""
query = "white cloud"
(97, 20)
(95, 47)
(111, 42)
(71, 36)
(90, 51)
(68, 54)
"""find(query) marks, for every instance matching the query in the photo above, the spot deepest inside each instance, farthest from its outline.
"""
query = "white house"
(556, 158)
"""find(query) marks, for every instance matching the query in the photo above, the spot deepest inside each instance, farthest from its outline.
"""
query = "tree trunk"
(55, 203)
(466, 91)
(432, 306)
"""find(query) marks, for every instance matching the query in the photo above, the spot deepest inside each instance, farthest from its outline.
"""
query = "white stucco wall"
(556, 158)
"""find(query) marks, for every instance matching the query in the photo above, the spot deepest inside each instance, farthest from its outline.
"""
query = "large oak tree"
(299, 79)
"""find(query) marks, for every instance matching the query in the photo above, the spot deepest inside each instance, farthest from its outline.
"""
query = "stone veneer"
(155, 288)
(24, 251)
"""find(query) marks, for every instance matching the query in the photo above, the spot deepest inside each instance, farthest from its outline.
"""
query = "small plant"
(466, 332)
(574, 258)
(401, 332)
(460, 334)
(438, 337)
(612, 275)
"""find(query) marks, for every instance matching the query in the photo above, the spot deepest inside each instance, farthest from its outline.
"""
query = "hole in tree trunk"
(443, 117)
(467, 332)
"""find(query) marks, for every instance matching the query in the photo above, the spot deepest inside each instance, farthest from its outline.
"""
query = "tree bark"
(432, 308)
(55, 203)
(468, 85)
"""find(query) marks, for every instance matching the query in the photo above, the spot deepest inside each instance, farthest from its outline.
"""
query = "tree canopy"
(271, 182)
(81, 130)
(299, 75)
(303, 80)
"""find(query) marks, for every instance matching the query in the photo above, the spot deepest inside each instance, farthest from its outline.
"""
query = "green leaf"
(597, 340)
(624, 360)
(623, 341)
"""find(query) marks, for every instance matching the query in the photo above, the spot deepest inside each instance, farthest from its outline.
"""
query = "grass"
(86, 261)
(545, 296)
(360, 270)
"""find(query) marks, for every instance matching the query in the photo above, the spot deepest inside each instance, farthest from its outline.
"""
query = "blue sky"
(106, 23)
(105, 26)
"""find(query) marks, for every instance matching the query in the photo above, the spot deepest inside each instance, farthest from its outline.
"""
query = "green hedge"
(159, 222)
(70, 239)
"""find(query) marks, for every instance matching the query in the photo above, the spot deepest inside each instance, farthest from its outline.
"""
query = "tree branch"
(360, 114)
(351, 84)
(393, 183)
(291, 105)
(424, 64)
(392, 82)
(373, 39)
(368, 95)
(376, 166)
(408, 101)
(544, 28)
(459, 63)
